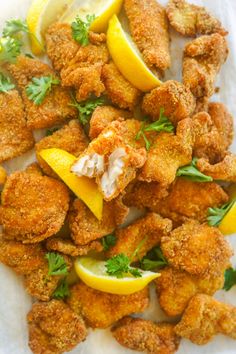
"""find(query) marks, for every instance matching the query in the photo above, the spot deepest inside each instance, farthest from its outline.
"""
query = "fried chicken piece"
(198, 197)
(203, 58)
(172, 96)
(190, 20)
(106, 308)
(175, 288)
(149, 228)
(68, 247)
(146, 336)
(103, 116)
(224, 170)
(118, 89)
(34, 168)
(55, 108)
(15, 137)
(167, 154)
(205, 317)
(198, 249)
(149, 29)
(85, 227)
(33, 207)
(54, 328)
(70, 138)
(111, 159)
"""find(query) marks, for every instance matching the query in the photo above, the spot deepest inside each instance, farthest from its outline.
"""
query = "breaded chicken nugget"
(146, 336)
(175, 288)
(70, 138)
(55, 108)
(167, 154)
(203, 58)
(85, 227)
(100, 309)
(190, 20)
(148, 229)
(34, 168)
(15, 137)
(68, 247)
(224, 170)
(33, 207)
(54, 328)
(198, 249)
(172, 96)
(149, 29)
(118, 89)
(103, 116)
(197, 197)
(205, 317)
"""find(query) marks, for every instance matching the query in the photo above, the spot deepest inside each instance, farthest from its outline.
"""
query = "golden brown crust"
(68, 247)
(3, 175)
(224, 170)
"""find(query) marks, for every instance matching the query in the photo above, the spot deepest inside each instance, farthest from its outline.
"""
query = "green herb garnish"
(62, 290)
(9, 49)
(154, 259)
(192, 173)
(87, 108)
(230, 279)
(80, 29)
(108, 241)
(216, 215)
(40, 87)
(119, 265)
(14, 27)
(5, 83)
(56, 264)
(50, 132)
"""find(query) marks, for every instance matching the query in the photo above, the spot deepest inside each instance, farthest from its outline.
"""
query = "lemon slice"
(93, 273)
(84, 188)
(102, 9)
(128, 59)
(41, 15)
(228, 224)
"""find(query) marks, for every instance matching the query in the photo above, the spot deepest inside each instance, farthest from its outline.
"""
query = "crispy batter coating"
(54, 328)
(146, 336)
(203, 58)
(103, 116)
(172, 96)
(197, 197)
(118, 89)
(3, 175)
(198, 249)
(224, 170)
(190, 20)
(149, 29)
(167, 154)
(206, 317)
(68, 247)
(34, 168)
(175, 288)
(149, 228)
(33, 207)
(85, 227)
(15, 137)
(70, 138)
(55, 108)
(100, 309)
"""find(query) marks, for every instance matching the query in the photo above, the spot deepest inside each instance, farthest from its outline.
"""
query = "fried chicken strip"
(146, 336)
(149, 29)
(68, 247)
(204, 318)
(224, 170)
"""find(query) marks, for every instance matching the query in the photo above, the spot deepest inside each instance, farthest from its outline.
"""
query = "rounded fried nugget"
(172, 96)
(54, 328)
(224, 170)
(146, 336)
(33, 207)
(67, 246)
(198, 249)
(100, 309)
(175, 288)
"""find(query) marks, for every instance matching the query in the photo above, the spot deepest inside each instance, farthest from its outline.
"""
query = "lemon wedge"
(128, 59)
(41, 14)
(84, 188)
(102, 9)
(228, 223)
(93, 273)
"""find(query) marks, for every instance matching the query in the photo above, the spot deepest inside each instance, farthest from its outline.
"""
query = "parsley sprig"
(108, 241)
(9, 49)
(154, 259)
(192, 173)
(80, 29)
(14, 27)
(161, 125)
(50, 132)
(230, 279)
(56, 264)
(5, 83)
(40, 87)
(86, 108)
(216, 215)
(62, 290)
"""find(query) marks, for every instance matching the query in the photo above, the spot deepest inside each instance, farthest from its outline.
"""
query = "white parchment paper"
(15, 303)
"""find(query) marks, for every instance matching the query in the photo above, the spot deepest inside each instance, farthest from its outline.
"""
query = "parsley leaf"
(215, 215)
(5, 83)
(154, 259)
(192, 173)
(13, 27)
(80, 29)
(119, 265)
(62, 290)
(230, 279)
(86, 108)
(9, 49)
(49, 132)
(108, 241)
(56, 264)
(38, 89)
